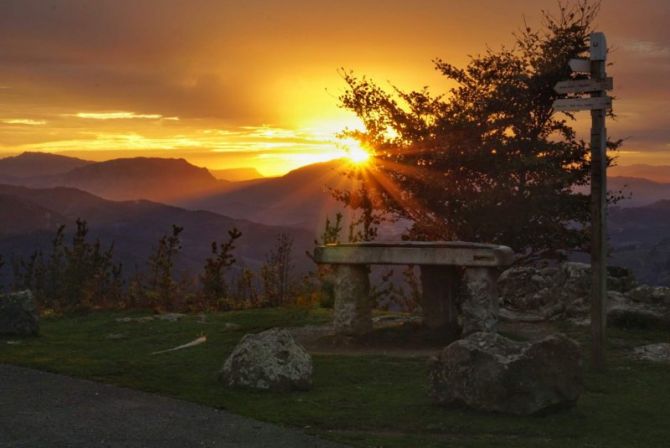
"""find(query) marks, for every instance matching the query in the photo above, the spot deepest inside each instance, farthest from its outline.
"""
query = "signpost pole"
(598, 208)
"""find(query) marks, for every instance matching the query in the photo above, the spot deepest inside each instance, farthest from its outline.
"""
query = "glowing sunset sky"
(255, 83)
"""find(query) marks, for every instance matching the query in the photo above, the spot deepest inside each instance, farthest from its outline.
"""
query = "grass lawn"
(359, 399)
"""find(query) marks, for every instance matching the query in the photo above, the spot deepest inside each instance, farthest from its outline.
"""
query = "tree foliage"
(79, 275)
(214, 283)
(162, 288)
(277, 272)
(490, 161)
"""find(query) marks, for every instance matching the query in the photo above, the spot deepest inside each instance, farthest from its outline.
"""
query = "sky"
(256, 83)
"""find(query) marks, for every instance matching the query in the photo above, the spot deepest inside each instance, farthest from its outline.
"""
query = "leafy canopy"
(490, 161)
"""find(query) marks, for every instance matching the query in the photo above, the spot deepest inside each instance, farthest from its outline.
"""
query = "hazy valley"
(132, 202)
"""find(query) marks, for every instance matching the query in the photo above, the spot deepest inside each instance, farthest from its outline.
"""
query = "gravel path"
(39, 409)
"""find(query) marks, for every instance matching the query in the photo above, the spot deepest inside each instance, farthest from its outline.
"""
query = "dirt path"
(39, 409)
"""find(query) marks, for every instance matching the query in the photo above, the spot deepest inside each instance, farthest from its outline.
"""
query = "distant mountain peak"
(656, 173)
(237, 174)
(154, 178)
(31, 164)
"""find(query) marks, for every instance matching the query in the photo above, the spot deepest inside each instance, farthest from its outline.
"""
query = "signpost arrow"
(588, 103)
(584, 85)
(580, 65)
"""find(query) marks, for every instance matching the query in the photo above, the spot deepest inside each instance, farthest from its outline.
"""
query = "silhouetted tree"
(331, 231)
(162, 286)
(246, 294)
(322, 279)
(276, 272)
(213, 279)
(79, 275)
(491, 161)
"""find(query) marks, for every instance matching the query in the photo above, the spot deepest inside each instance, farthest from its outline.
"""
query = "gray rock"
(268, 360)
(635, 315)
(620, 279)
(526, 288)
(507, 315)
(489, 372)
(657, 295)
(653, 352)
(18, 314)
(564, 292)
(479, 306)
(573, 286)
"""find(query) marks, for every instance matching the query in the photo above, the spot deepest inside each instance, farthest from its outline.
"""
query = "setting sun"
(355, 152)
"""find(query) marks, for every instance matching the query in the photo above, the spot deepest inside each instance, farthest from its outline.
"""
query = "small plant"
(215, 288)
(162, 286)
(76, 276)
(246, 294)
(277, 271)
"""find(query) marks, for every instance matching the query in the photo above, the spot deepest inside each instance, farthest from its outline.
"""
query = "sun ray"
(355, 152)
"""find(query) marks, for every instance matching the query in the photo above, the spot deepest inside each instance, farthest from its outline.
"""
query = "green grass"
(358, 399)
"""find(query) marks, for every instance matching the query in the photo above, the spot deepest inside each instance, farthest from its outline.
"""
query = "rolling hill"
(640, 239)
(157, 179)
(20, 216)
(32, 165)
(134, 227)
(297, 199)
(237, 174)
(639, 191)
(656, 173)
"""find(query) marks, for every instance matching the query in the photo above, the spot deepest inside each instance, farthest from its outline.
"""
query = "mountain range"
(237, 174)
(656, 173)
(31, 216)
(120, 199)
(640, 240)
(35, 165)
(157, 179)
(298, 199)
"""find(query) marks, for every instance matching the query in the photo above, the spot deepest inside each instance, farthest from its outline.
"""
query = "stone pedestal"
(440, 286)
(480, 300)
(353, 310)
(440, 263)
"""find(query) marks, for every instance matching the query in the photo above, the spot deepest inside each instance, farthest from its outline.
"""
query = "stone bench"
(454, 275)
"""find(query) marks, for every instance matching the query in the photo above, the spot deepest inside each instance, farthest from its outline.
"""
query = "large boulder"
(489, 372)
(18, 314)
(637, 315)
(268, 360)
(562, 292)
(572, 286)
(620, 279)
(653, 352)
(526, 288)
(651, 295)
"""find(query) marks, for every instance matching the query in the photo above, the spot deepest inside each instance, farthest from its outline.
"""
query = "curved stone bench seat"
(457, 278)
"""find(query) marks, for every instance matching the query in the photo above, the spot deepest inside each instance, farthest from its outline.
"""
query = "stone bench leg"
(353, 311)
(480, 301)
(440, 287)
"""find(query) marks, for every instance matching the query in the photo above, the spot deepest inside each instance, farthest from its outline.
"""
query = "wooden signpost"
(583, 86)
(588, 103)
(580, 65)
(599, 104)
